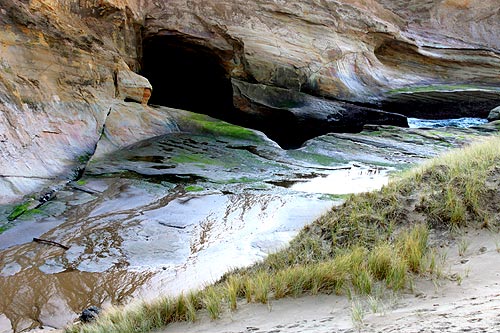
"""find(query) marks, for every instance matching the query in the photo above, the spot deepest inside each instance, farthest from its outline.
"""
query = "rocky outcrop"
(457, 23)
(59, 63)
(54, 94)
(128, 123)
(494, 114)
(62, 65)
(280, 112)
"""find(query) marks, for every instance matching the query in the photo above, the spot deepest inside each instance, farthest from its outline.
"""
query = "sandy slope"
(467, 301)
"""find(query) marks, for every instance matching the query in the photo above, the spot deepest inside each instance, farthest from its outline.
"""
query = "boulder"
(133, 86)
(90, 314)
(494, 114)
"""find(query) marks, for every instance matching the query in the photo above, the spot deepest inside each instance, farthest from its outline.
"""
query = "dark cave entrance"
(187, 76)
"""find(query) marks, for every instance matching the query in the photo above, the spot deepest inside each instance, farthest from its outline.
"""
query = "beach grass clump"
(455, 191)
(398, 276)
(374, 239)
(234, 287)
(261, 284)
(327, 278)
(212, 300)
(380, 260)
(412, 245)
(248, 289)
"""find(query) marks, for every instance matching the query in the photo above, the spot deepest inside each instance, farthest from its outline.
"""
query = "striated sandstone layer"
(61, 59)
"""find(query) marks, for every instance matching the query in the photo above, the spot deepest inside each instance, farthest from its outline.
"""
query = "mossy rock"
(19, 210)
(194, 188)
(81, 182)
(221, 128)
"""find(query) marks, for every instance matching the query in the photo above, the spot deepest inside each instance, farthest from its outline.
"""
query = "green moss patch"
(31, 213)
(18, 211)
(195, 159)
(81, 182)
(194, 188)
(221, 128)
(335, 197)
(84, 158)
(3, 228)
(241, 180)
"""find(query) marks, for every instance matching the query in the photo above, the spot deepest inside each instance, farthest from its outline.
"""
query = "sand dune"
(467, 300)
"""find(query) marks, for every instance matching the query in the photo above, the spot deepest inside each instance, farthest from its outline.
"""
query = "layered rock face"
(64, 66)
(349, 50)
(61, 62)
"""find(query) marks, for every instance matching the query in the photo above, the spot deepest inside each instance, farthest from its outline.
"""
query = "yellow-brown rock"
(133, 86)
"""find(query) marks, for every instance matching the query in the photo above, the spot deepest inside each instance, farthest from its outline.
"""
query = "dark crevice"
(80, 170)
(188, 75)
(130, 100)
(115, 82)
(157, 178)
(443, 105)
(451, 87)
(172, 226)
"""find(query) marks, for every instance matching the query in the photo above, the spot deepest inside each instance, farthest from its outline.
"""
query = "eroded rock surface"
(61, 60)
(56, 88)
(361, 51)
(70, 69)
(280, 112)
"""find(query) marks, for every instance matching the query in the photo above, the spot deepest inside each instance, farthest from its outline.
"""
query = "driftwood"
(173, 226)
(46, 241)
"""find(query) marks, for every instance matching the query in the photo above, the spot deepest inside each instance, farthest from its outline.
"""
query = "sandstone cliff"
(61, 61)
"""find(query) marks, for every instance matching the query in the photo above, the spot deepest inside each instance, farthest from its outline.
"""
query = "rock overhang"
(318, 51)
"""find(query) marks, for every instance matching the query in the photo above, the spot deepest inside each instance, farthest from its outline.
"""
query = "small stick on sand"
(45, 241)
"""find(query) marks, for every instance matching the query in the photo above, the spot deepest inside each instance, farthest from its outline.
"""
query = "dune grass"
(373, 239)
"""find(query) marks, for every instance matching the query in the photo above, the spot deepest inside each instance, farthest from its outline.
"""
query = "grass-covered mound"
(373, 239)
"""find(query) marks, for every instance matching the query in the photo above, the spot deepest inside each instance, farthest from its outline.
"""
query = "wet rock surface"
(90, 314)
(155, 217)
(176, 211)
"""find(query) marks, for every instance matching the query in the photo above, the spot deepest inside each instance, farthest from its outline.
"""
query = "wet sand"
(134, 240)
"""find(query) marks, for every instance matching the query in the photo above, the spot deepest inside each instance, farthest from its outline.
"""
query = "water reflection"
(436, 123)
(355, 179)
(32, 298)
